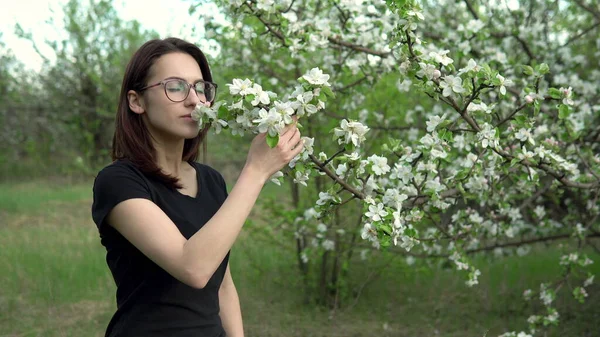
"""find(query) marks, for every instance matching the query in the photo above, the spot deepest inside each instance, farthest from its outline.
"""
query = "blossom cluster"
(256, 110)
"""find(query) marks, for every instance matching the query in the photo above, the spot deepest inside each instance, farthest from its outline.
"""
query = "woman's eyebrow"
(180, 78)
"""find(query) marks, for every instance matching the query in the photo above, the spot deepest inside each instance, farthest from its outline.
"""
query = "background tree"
(507, 156)
(80, 91)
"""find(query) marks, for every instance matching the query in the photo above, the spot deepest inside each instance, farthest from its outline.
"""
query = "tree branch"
(277, 34)
(390, 128)
(471, 9)
(522, 42)
(546, 168)
(511, 115)
(527, 242)
(358, 47)
(587, 8)
(574, 38)
(498, 245)
(360, 195)
(290, 7)
(353, 84)
(334, 155)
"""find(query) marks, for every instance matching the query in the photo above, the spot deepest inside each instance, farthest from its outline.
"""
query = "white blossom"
(317, 77)
(441, 57)
(275, 178)
(341, 170)
(503, 83)
(376, 213)
(269, 121)
(303, 105)
(471, 66)
(588, 282)
(451, 84)
(525, 135)
(369, 232)
(487, 136)
(301, 177)
(434, 121)
(266, 5)
(328, 244)
(539, 211)
(379, 165)
(567, 93)
(324, 197)
(240, 87)
(260, 96)
(351, 132)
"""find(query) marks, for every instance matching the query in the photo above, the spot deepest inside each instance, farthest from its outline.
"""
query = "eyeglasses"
(177, 89)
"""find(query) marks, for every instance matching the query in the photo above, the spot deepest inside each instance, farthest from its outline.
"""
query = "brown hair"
(132, 140)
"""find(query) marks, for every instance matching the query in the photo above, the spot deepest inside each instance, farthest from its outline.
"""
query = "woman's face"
(164, 118)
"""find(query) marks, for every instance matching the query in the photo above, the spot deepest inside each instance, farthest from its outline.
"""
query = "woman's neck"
(169, 156)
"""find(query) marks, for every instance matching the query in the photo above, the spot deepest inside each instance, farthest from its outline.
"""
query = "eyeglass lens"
(178, 90)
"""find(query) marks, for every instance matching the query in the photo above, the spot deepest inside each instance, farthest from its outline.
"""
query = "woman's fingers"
(294, 139)
(298, 148)
(290, 126)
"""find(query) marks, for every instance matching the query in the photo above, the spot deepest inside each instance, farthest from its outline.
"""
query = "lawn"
(55, 282)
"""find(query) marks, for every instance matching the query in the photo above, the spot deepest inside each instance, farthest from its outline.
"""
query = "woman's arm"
(194, 261)
(231, 313)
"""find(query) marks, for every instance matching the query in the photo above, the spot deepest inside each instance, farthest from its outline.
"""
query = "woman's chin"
(192, 134)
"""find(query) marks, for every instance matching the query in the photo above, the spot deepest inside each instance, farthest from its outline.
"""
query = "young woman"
(167, 222)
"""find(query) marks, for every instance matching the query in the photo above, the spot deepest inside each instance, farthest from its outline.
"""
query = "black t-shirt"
(151, 302)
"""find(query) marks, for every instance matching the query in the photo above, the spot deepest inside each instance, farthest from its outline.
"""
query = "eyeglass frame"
(190, 86)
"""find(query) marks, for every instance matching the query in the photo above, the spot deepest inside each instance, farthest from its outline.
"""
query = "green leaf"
(223, 110)
(327, 91)
(536, 108)
(554, 93)
(249, 98)
(272, 141)
(520, 120)
(527, 70)
(387, 229)
(461, 175)
(543, 69)
(447, 135)
(563, 111)
(386, 241)
(323, 96)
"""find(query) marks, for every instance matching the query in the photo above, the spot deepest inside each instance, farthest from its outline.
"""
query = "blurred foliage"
(66, 112)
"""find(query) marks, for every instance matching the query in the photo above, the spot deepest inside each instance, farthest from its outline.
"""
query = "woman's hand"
(265, 160)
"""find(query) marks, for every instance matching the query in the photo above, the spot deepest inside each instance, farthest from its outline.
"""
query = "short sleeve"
(223, 184)
(114, 184)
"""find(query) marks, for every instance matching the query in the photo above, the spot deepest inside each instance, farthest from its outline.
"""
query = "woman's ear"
(136, 102)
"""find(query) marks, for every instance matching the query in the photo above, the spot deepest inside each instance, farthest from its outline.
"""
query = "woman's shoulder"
(119, 167)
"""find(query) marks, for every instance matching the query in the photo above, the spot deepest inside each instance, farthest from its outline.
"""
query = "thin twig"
(511, 115)
(471, 9)
(358, 47)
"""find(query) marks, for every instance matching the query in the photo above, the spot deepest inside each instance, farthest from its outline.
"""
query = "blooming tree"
(492, 143)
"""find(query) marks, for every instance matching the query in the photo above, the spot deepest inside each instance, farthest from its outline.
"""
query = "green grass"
(40, 196)
(55, 282)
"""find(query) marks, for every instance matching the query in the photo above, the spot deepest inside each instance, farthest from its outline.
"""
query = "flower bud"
(436, 74)
(529, 99)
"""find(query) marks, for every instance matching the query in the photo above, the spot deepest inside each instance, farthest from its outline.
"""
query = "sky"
(167, 17)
